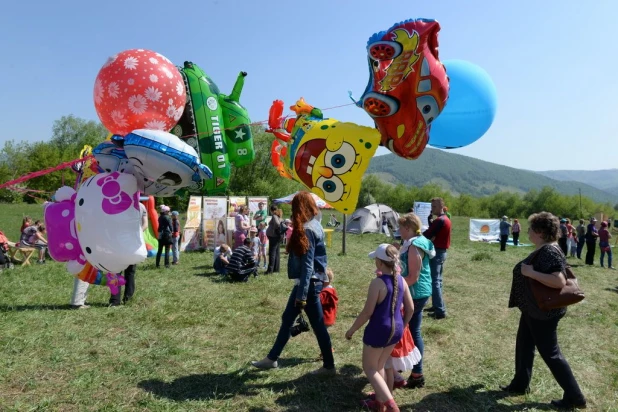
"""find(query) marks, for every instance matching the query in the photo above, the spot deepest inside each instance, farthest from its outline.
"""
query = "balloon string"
(40, 173)
(65, 165)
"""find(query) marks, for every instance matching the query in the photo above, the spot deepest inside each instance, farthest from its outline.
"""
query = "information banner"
(423, 210)
(213, 226)
(484, 230)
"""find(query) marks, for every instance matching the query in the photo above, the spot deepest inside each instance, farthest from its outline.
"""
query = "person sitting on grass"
(5, 261)
(223, 254)
(242, 264)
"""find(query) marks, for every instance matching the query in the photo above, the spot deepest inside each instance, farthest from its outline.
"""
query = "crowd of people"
(571, 240)
(408, 274)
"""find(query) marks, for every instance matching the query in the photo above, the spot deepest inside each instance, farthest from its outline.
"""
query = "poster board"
(190, 240)
(484, 230)
(253, 203)
(423, 210)
(191, 234)
(214, 216)
(194, 212)
(235, 203)
(231, 226)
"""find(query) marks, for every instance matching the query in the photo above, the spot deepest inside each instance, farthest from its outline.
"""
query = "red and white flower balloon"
(139, 89)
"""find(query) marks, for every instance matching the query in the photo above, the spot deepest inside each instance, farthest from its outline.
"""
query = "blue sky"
(552, 62)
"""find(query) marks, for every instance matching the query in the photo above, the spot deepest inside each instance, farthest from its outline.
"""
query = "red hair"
(304, 210)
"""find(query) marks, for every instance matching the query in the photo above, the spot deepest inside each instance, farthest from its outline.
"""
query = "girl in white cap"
(382, 309)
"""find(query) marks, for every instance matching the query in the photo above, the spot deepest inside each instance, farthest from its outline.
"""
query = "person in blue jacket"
(307, 264)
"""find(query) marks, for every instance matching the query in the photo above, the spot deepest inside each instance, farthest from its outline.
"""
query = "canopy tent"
(368, 219)
(288, 199)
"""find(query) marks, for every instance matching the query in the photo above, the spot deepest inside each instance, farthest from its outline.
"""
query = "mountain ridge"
(604, 179)
(463, 174)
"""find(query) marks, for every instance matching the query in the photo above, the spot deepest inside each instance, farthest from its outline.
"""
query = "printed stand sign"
(231, 226)
(235, 203)
(190, 240)
(213, 226)
(423, 210)
(194, 212)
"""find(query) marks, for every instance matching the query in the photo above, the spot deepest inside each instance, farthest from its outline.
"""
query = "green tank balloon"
(216, 125)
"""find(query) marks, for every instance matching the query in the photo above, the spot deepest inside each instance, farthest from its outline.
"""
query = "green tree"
(70, 134)
(260, 178)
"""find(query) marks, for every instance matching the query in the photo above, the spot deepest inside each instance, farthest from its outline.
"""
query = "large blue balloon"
(470, 108)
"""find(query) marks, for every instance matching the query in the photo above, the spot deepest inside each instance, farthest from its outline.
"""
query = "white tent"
(368, 219)
(319, 202)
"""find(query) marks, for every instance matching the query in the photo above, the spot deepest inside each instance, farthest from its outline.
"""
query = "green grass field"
(185, 342)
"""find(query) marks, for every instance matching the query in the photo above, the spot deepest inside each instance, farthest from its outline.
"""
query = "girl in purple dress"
(382, 309)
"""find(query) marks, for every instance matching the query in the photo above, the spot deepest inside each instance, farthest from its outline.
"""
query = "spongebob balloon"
(327, 156)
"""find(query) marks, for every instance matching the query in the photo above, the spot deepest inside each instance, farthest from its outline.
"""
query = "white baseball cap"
(380, 253)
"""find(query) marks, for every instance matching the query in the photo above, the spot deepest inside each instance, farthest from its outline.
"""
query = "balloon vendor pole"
(344, 232)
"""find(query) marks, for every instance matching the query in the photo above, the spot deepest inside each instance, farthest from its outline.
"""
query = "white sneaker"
(265, 364)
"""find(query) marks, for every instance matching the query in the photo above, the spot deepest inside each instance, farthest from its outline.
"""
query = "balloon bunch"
(140, 96)
(327, 156)
(413, 98)
(96, 229)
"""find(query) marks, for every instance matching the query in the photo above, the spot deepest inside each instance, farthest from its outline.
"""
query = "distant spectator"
(564, 235)
(505, 228)
(604, 237)
(439, 232)
(273, 232)
(175, 238)
(573, 244)
(263, 242)
(570, 234)
(516, 230)
(260, 215)
(446, 212)
(385, 225)
(580, 231)
(591, 241)
(241, 221)
(165, 236)
(5, 261)
(289, 230)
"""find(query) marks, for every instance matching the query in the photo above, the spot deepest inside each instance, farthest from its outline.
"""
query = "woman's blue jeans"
(603, 245)
(415, 330)
(313, 309)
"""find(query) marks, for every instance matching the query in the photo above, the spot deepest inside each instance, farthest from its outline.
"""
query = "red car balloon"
(408, 86)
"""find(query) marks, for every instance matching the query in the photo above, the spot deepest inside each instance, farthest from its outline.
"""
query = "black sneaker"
(431, 309)
(514, 391)
(437, 316)
(566, 404)
(417, 382)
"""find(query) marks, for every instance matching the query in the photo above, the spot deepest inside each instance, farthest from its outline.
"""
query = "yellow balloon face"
(330, 157)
